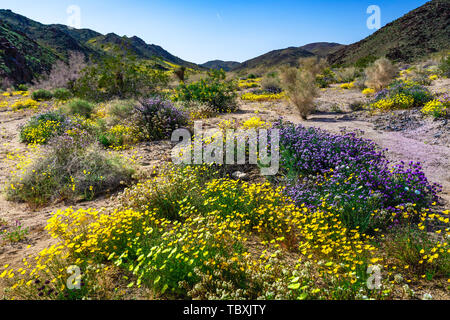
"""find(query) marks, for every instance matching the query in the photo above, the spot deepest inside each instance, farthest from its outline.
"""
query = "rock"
(239, 175)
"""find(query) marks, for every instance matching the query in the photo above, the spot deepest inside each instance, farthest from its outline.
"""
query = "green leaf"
(164, 288)
(294, 286)
(303, 296)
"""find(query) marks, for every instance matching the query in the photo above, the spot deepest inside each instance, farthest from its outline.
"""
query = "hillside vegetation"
(414, 36)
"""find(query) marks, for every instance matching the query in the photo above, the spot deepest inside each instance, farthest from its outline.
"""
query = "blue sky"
(237, 30)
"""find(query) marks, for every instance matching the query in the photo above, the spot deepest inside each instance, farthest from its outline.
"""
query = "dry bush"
(271, 82)
(313, 65)
(180, 73)
(380, 74)
(5, 84)
(196, 77)
(346, 74)
(64, 75)
(300, 85)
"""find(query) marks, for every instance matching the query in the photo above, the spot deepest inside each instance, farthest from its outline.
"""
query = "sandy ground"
(408, 145)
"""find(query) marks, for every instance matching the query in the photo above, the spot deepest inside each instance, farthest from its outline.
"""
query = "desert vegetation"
(87, 155)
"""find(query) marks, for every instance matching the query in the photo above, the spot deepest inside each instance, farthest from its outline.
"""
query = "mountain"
(322, 49)
(289, 56)
(415, 35)
(137, 46)
(22, 58)
(54, 37)
(219, 64)
(275, 58)
(29, 48)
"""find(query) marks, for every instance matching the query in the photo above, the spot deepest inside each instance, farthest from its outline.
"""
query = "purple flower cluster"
(315, 151)
(445, 98)
(349, 173)
(159, 117)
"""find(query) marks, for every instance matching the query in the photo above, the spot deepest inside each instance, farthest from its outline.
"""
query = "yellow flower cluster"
(208, 234)
(25, 104)
(16, 93)
(123, 137)
(399, 101)
(347, 86)
(227, 124)
(249, 83)
(256, 123)
(41, 133)
(4, 104)
(368, 91)
(435, 108)
(434, 77)
(263, 97)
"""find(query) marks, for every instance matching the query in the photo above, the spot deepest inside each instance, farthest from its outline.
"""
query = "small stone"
(239, 175)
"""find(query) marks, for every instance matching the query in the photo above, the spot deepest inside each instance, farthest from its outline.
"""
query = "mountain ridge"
(288, 56)
(220, 64)
(56, 41)
(418, 33)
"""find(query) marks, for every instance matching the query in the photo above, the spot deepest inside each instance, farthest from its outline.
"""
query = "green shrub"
(271, 83)
(43, 127)
(214, 91)
(119, 136)
(364, 62)
(73, 168)
(326, 78)
(346, 74)
(79, 107)
(119, 111)
(410, 245)
(119, 76)
(22, 87)
(418, 94)
(445, 66)
(166, 193)
(42, 95)
(62, 94)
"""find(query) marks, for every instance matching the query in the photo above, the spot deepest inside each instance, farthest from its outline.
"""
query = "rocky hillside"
(289, 56)
(137, 46)
(275, 58)
(417, 34)
(29, 48)
(219, 64)
(22, 58)
(322, 49)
